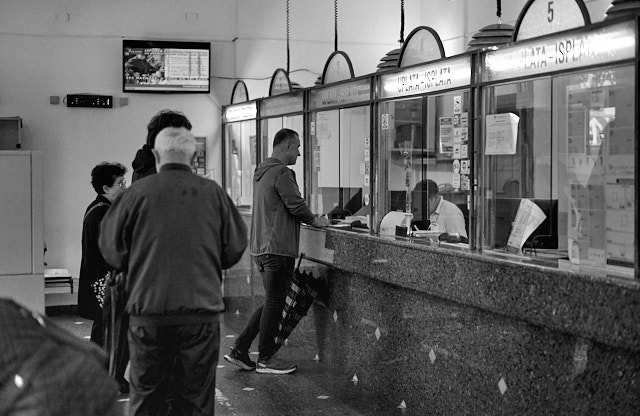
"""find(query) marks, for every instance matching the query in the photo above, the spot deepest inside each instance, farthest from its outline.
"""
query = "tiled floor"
(314, 389)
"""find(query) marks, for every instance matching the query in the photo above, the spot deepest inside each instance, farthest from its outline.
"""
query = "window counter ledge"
(603, 309)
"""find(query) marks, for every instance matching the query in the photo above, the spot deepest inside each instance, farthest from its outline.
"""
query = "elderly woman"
(108, 181)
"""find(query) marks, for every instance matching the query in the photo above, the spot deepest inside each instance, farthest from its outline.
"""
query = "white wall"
(59, 47)
(43, 54)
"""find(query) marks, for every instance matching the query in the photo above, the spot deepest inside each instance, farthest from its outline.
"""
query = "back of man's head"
(175, 145)
(428, 186)
(283, 135)
(162, 120)
(432, 188)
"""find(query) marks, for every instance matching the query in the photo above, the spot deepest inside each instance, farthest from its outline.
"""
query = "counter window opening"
(340, 163)
(565, 143)
(426, 139)
(240, 145)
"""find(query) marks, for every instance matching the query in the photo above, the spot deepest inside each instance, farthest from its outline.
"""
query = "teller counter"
(449, 331)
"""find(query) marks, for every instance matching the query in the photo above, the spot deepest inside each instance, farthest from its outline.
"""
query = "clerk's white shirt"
(447, 218)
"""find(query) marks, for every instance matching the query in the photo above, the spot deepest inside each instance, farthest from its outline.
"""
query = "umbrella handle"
(300, 261)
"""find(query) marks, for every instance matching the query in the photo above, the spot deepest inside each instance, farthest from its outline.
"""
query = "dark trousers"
(186, 353)
(276, 272)
(97, 332)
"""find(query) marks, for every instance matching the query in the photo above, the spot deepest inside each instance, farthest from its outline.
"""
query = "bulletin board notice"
(501, 134)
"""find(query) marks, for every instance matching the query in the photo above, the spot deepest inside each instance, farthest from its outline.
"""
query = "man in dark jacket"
(108, 181)
(278, 210)
(173, 233)
(144, 164)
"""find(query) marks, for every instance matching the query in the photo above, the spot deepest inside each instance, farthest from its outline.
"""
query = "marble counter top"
(604, 309)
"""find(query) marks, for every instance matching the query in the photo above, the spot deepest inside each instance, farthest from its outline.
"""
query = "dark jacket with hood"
(278, 210)
(144, 164)
(173, 233)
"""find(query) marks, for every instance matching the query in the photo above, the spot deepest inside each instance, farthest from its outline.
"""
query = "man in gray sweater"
(278, 210)
(173, 233)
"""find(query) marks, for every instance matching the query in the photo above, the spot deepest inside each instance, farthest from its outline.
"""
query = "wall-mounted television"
(162, 66)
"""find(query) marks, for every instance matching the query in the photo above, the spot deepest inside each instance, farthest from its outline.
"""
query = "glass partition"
(240, 145)
(558, 169)
(268, 129)
(425, 161)
(595, 130)
(340, 162)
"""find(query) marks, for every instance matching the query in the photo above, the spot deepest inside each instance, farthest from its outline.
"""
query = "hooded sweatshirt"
(278, 210)
(144, 164)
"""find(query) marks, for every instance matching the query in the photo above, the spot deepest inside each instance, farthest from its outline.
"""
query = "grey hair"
(176, 140)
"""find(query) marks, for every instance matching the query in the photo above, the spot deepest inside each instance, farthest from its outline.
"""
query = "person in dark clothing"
(278, 210)
(108, 181)
(173, 233)
(144, 164)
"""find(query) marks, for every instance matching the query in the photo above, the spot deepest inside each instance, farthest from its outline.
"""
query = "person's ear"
(105, 189)
(156, 155)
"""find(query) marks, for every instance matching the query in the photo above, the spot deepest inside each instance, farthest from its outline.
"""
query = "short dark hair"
(105, 174)
(283, 135)
(427, 185)
(162, 120)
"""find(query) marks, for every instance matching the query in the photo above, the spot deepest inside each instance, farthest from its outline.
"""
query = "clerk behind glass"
(443, 216)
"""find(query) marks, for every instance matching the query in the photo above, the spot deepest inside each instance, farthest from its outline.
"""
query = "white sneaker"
(274, 365)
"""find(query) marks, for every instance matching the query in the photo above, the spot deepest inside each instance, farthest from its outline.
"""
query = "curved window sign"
(280, 83)
(423, 45)
(239, 93)
(342, 94)
(572, 50)
(275, 106)
(337, 68)
(240, 112)
(542, 17)
(442, 75)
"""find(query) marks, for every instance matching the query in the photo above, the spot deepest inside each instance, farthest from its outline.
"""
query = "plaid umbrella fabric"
(302, 292)
(116, 324)
(47, 370)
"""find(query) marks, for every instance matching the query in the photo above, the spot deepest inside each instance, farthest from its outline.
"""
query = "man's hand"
(320, 221)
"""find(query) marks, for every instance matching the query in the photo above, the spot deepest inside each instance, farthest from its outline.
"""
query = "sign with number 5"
(541, 17)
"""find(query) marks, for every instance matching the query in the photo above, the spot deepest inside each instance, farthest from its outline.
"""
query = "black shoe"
(241, 359)
(123, 386)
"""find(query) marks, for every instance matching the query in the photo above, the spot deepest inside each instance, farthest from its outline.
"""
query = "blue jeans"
(276, 272)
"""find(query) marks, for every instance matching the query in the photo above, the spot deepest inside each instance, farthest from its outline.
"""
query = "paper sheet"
(528, 218)
(501, 134)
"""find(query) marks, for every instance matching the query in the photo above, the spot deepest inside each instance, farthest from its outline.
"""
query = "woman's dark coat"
(93, 266)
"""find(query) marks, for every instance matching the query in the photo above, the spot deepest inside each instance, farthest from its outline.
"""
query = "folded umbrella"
(44, 369)
(116, 325)
(303, 290)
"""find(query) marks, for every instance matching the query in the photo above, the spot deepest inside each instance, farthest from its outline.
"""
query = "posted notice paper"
(501, 134)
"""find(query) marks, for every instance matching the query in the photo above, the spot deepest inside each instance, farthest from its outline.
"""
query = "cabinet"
(21, 228)
(10, 133)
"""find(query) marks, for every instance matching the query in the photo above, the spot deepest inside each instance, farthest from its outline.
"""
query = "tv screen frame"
(165, 66)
